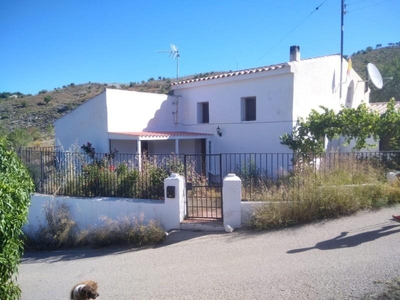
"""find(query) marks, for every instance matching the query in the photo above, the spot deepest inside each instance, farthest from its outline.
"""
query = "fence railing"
(119, 175)
(142, 176)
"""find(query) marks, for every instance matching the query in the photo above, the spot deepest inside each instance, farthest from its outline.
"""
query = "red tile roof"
(234, 73)
(248, 71)
(380, 107)
(163, 134)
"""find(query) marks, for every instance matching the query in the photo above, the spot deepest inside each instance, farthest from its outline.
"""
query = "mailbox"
(170, 192)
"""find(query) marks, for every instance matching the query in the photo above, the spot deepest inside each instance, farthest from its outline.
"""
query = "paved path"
(339, 259)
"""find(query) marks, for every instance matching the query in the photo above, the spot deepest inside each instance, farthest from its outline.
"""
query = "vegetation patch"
(61, 231)
(16, 187)
(391, 291)
(309, 195)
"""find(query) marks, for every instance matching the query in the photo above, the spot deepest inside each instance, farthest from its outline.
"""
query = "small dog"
(84, 290)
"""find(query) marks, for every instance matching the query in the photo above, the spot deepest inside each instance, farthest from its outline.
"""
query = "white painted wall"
(282, 95)
(115, 111)
(87, 123)
(124, 146)
(130, 111)
(87, 212)
(317, 83)
(273, 91)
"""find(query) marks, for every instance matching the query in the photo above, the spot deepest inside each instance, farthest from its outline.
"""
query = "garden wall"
(87, 212)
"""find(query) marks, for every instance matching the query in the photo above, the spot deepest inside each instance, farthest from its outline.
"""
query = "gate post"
(174, 192)
(231, 201)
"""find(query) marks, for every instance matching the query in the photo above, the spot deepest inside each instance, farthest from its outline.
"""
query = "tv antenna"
(174, 54)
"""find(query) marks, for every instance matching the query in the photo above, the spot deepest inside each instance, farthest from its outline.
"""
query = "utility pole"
(342, 13)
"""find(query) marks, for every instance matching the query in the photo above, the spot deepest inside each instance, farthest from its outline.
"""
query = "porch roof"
(158, 135)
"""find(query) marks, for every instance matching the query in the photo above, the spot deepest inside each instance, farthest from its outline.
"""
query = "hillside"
(28, 119)
(387, 59)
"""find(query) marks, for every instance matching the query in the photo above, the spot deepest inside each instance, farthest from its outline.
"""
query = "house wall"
(273, 91)
(87, 123)
(317, 83)
(187, 146)
(130, 111)
(124, 146)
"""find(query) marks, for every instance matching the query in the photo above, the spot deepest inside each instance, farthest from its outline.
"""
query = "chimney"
(294, 53)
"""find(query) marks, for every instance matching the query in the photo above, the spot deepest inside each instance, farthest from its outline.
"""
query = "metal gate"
(203, 186)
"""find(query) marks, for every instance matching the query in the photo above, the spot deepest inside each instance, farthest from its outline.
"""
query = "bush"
(61, 231)
(126, 230)
(128, 184)
(308, 195)
(47, 99)
(15, 189)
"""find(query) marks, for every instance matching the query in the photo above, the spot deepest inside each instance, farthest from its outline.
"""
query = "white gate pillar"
(231, 201)
(174, 192)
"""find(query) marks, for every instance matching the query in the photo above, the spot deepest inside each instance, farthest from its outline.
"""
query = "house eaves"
(233, 74)
(245, 72)
(158, 135)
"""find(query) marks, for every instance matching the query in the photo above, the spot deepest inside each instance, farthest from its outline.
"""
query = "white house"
(236, 112)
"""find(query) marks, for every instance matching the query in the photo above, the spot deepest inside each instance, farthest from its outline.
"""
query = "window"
(203, 112)
(248, 108)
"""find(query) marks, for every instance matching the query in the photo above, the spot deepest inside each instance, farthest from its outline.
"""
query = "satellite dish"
(375, 76)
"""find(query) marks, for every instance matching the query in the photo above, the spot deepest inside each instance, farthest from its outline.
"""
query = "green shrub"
(47, 99)
(157, 176)
(128, 184)
(99, 181)
(16, 187)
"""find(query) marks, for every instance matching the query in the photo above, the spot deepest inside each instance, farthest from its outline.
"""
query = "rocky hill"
(31, 117)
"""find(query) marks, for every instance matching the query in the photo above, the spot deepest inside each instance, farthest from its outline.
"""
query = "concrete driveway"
(338, 259)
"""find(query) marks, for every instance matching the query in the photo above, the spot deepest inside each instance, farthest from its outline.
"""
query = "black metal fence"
(103, 175)
(142, 176)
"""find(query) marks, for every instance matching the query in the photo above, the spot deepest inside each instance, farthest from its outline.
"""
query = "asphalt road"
(338, 259)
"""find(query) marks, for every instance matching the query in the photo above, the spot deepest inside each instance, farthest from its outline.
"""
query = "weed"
(309, 195)
(61, 231)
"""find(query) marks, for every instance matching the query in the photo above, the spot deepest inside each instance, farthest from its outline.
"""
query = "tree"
(16, 187)
(358, 124)
(388, 128)
(47, 99)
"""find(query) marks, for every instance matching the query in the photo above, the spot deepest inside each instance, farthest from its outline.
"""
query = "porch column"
(139, 151)
(176, 146)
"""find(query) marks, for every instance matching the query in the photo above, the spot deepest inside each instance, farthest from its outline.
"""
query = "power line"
(315, 9)
(368, 5)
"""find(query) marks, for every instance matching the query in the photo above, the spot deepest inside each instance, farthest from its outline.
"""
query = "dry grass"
(308, 195)
(61, 231)
(127, 230)
(391, 291)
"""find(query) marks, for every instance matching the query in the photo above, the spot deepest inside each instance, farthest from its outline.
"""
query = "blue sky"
(46, 44)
